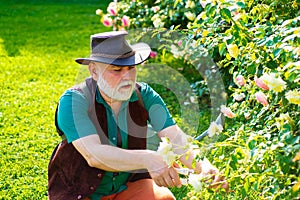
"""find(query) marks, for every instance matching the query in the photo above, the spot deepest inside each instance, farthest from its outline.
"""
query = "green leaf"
(251, 69)
(277, 52)
(226, 14)
(222, 49)
(241, 4)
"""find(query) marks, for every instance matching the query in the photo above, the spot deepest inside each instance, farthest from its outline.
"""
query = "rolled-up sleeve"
(72, 116)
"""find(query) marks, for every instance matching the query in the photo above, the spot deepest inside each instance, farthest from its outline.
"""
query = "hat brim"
(142, 53)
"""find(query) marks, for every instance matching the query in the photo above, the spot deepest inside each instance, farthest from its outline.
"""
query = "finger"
(169, 181)
(159, 182)
(175, 177)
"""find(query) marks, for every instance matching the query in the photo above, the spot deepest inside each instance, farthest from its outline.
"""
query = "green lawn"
(39, 41)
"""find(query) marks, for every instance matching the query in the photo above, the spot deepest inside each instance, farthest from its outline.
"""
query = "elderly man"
(103, 123)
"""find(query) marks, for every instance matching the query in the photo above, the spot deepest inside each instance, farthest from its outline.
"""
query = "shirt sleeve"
(159, 115)
(72, 116)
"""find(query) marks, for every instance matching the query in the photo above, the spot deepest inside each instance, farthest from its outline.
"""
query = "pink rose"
(180, 43)
(261, 98)
(240, 80)
(107, 21)
(125, 21)
(261, 84)
(112, 9)
(153, 54)
(227, 112)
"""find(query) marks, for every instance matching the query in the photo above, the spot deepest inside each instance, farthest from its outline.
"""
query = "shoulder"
(146, 90)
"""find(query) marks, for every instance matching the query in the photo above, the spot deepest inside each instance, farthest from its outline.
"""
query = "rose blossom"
(276, 84)
(293, 96)
(214, 129)
(261, 98)
(239, 97)
(112, 8)
(240, 80)
(107, 21)
(153, 54)
(125, 21)
(227, 112)
(261, 84)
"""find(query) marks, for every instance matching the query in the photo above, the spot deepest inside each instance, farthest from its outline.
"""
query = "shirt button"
(114, 178)
(79, 197)
(114, 138)
(99, 175)
(92, 188)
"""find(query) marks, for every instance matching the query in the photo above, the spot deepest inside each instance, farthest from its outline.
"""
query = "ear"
(93, 71)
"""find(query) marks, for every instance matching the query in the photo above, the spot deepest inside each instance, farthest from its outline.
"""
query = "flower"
(239, 97)
(276, 84)
(240, 80)
(157, 22)
(247, 115)
(112, 9)
(190, 4)
(190, 15)
(214, 128)
(99, 12)
(195, 181)
(297, 157)
(282, 120)
(166, 151)
(261, 98)
(293, 96)
(107, 21)
(227, 112)
(179, 43)
(155, 8)
(261, 84)
(153, 54)
(125, 21)
(233, 50)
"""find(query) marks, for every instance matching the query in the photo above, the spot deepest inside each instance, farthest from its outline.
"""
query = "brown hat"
(112, 48)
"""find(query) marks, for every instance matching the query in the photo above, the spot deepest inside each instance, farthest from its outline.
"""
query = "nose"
(127, 72)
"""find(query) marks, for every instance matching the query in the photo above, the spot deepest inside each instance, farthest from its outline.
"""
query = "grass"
(38, 43)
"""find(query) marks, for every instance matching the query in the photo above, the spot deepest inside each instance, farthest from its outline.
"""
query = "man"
(104, 124)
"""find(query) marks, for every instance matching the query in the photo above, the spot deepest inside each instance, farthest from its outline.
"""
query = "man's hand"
(213, 175)
(162, 174)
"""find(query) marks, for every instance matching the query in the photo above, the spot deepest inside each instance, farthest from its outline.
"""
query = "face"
(116, 82)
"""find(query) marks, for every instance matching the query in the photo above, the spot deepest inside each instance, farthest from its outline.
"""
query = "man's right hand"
(161, 174)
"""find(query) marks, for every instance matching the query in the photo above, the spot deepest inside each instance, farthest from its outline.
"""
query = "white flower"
(195, 180)
(157, 21)
(166, 151)
(214, 128)
(239, 97)
(191, 16)
(276, 84)
(164, 146)
(190, 4)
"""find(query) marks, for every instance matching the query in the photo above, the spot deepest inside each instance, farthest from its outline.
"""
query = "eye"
(117, 69)
(131, 67)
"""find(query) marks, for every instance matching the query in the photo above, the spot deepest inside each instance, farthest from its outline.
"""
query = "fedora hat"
(112, 48)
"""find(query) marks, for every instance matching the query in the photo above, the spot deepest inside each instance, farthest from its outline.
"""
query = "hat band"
(131, 53)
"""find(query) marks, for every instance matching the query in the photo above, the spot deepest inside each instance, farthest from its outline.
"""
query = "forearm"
(181, 146)
(111, 158)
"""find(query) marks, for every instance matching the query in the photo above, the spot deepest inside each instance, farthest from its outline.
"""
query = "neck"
(114, 104)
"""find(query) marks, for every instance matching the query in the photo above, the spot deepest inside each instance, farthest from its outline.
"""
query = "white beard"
(118, 93)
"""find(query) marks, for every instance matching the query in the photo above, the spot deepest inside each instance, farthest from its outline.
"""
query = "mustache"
(126, 83)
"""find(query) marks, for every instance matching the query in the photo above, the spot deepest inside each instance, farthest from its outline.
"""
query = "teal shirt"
(73, 120)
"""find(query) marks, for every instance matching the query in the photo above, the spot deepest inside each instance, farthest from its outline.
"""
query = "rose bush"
(256, 46)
